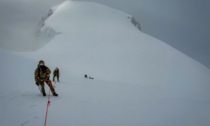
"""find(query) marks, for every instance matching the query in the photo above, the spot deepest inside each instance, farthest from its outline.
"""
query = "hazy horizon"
(180, 23)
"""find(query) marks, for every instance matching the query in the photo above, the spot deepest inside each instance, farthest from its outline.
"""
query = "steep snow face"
(101, 41)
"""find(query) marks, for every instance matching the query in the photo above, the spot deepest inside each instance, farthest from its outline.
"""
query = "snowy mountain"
(138, 80)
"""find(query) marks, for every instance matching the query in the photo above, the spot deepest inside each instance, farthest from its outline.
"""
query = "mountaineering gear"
(40, 88)
(44, 94)
(49, 83)
(37, 83)
(41, 76)
(56, 74)
(41, 62)
(55, 94)
(41, 73)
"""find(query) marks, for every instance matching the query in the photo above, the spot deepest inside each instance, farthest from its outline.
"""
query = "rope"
(48, 104)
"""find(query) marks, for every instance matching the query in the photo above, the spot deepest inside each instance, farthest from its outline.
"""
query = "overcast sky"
(184, 24)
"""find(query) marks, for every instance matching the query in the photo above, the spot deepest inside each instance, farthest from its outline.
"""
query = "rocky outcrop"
(43, 32)
(135, 23)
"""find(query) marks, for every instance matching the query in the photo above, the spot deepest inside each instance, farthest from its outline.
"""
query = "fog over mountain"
(184, 24)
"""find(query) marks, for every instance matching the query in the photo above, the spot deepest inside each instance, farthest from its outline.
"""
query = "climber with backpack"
(42, 76)
(56, 74)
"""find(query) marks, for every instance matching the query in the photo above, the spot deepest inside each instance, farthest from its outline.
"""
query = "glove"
(48, 77)
(37, 83)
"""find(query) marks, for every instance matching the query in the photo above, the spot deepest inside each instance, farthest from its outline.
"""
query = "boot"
(55, 94)
(44, 94)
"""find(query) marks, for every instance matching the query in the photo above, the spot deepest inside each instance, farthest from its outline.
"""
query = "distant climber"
(56, 73)
(41, 76)
(85, 76)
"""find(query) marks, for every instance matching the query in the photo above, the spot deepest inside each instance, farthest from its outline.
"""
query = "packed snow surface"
(138, 80)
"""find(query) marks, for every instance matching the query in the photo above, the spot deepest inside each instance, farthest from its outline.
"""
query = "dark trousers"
(49, 83)
(57, 76)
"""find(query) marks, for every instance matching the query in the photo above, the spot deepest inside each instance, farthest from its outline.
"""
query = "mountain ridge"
(87, 33)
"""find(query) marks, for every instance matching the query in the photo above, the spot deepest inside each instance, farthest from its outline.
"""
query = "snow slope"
(138, 80)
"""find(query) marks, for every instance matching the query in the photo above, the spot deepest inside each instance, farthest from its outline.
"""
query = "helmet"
(41, 62)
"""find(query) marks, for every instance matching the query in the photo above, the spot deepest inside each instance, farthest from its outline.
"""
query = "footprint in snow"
(24, 123)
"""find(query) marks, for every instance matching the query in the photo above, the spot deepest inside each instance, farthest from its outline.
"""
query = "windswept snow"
(138, 80)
